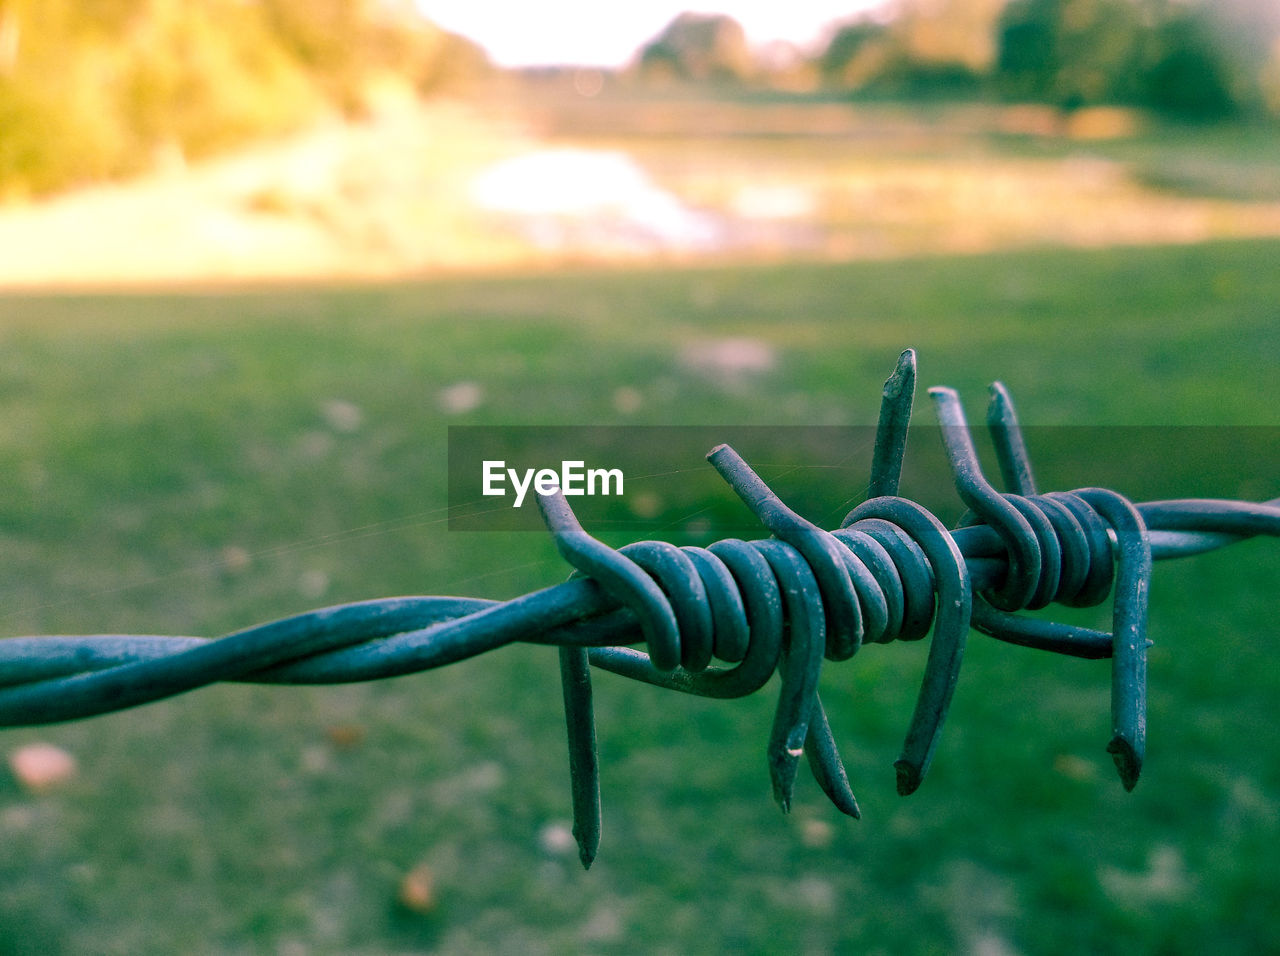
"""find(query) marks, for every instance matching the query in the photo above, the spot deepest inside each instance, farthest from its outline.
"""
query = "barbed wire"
(783, 604)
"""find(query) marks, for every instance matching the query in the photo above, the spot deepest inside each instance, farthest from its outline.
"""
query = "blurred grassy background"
(193, 462)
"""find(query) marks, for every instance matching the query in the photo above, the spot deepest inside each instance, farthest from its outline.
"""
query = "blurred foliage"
(698, 47)
(1189, 59)
(101, 88)
(1170, 57)
(885, 59)
(342, 43)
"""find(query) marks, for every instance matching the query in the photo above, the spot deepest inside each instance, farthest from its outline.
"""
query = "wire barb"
(720, 621)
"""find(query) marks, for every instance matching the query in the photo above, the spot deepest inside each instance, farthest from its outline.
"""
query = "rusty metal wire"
(891, 571)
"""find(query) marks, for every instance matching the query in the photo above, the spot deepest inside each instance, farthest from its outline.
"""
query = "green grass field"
(193, 463)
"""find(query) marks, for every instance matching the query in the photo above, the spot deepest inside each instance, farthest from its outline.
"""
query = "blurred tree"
(1029, 55)
(1069, 52)
(91, 89)
(1250, 29)
(856, 54)
(1161, 54)
(1188, 75)
(915, 48)
(1195, 59)
(201, 77)
(342, 43)
(699, 48)
(949, 32)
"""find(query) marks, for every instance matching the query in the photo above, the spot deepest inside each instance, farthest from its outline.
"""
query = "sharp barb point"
(908, 778)
(1128, 761)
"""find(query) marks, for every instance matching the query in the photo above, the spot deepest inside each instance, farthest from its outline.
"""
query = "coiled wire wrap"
(783, 604)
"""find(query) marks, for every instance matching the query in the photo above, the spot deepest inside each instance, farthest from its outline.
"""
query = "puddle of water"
(593, 199)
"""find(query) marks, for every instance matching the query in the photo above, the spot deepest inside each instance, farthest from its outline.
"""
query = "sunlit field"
(544, 177)
(193, 462)
(832, 179)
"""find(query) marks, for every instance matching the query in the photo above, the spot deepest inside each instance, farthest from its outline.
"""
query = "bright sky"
(604, 33)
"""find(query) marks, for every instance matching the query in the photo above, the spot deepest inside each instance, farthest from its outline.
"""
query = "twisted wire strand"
(392, 637)
(720, 621)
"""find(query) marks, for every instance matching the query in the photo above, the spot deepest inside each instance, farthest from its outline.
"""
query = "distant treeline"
(1193, 59)
(95, 89)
